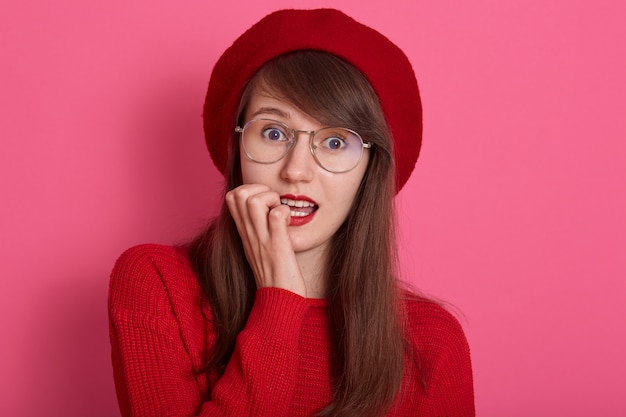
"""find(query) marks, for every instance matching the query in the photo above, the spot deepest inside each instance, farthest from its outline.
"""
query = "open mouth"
(299, 207)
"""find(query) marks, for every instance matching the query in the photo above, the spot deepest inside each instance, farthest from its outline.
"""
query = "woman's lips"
(302, 208)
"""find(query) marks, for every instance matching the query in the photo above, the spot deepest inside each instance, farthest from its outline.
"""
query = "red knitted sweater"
(161, 334)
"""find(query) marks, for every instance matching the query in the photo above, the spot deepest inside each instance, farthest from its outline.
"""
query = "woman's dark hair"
(366, 322)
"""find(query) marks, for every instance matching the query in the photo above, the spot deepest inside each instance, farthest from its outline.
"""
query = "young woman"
(289, 304)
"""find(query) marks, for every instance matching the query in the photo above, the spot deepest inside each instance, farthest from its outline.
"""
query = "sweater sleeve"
(156, 369)
(451, 390)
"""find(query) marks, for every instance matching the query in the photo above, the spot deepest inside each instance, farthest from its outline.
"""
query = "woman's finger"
(262, 222)
(236, 201)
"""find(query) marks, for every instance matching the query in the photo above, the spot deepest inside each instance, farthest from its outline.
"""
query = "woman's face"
(320, 200)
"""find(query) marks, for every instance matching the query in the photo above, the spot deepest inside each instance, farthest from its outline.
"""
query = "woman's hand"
(262, 223)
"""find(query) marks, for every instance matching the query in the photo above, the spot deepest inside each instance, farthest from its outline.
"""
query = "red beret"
(384, 65)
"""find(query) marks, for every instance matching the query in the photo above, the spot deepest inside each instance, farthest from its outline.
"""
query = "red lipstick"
(302, 208)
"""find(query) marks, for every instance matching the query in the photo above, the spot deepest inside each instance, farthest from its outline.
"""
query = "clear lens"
(335, 149)
(266, 141)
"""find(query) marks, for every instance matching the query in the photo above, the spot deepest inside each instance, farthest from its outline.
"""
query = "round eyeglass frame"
(292, 141)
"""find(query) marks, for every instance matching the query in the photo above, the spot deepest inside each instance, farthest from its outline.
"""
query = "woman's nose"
(299, 164)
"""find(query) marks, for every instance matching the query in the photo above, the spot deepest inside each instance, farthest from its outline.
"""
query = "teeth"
(296, 203)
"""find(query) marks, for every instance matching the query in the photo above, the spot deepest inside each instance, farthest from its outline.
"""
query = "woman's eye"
(274, 134)
(333, 143)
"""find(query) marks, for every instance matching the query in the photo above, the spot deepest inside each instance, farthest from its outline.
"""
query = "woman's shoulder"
(154, 291)
(432, 326)
(439, 350)
(146, 274)
(152, 255)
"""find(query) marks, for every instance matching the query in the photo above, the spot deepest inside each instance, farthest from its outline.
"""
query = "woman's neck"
(312, 264)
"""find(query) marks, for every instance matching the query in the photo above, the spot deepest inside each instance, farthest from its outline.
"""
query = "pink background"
(515, 213)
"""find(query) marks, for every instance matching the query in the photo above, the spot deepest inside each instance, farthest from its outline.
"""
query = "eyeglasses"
(335, 149)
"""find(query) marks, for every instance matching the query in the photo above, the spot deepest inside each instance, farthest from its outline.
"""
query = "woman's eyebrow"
(270, 111)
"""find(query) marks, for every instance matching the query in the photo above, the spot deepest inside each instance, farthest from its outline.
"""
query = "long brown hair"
(363, 292)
